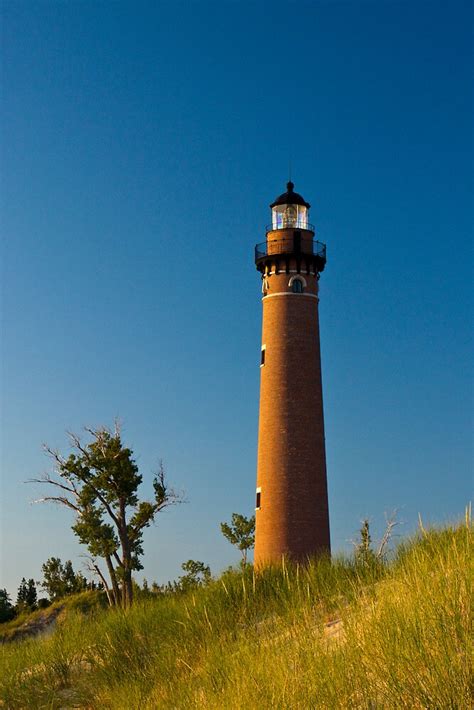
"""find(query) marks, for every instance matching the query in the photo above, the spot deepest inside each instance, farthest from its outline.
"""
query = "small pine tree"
(31, 595)
(22, 596)
(363, 551)
(7, 612)
(69, 578)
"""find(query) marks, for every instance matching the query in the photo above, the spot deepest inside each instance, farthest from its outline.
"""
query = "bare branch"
(60, 500)
(60, 461)
(46, 478)
(93, 464)
(391, 523)
(93, 567)
(88, 482)
(117, 426)
(96, 434)
(76, 442)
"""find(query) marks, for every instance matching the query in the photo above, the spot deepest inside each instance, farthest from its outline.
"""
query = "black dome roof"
(290, 198)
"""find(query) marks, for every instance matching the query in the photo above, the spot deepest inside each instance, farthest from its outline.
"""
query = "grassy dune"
(401, 638)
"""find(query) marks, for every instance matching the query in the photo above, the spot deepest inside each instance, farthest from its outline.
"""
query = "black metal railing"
(298, 225)
(296, 246)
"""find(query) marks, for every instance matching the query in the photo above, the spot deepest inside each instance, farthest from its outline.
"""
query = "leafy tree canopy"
(241, 533)
(60, 580)
(27, 597)
(99, 481)
(196, 574)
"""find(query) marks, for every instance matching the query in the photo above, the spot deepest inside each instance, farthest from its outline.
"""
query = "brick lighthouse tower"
(292, 518)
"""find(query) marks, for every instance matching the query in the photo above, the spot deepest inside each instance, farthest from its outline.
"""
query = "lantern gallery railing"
(296, 245)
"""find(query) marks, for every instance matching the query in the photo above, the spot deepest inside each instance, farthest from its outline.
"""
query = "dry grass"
(333, 635)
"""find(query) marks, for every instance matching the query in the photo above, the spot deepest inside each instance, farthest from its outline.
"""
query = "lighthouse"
(292, 517)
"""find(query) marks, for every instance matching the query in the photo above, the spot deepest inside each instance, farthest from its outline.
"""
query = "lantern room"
(290, 210)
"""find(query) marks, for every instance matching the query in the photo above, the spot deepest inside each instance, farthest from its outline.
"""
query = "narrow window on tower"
(258, 499)
(297, 286)
(262, 356)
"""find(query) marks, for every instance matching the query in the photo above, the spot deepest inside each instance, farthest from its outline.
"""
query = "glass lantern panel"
(277, 216)
(302, 219)
(284, 216)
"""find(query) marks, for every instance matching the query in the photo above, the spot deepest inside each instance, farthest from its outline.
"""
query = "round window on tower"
(297, 284)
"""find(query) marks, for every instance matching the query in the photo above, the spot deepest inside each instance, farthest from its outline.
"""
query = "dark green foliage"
(364, 553)
(53, 581)
(99, 482)
(241, 533)
(60, 580)
(75, 581)
(26, 599)
(21, 595)
(31, 595)
(7, 612)
(197, 573)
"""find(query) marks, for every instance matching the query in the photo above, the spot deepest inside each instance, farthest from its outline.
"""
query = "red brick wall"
(293, 519)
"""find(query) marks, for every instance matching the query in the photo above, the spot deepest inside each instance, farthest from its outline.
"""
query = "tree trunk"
(127, 587)
(113, 579)
(110, 594)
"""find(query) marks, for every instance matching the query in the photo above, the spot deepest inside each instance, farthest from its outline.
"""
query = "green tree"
(7, 611)
(31, 595)
(75, 582)
(60, 580)
(69, 577)
(21, 597)
(197, 573)
(26, 597)
(99, 481)
(363, 549)
(53, 582)
(241, 533)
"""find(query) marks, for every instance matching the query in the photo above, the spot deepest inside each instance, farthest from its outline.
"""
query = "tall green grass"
(401, 640)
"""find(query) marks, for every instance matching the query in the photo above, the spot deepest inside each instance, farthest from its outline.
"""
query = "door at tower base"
(292, 517)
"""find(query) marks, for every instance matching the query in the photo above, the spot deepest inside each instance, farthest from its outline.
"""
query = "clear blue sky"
(142, 144)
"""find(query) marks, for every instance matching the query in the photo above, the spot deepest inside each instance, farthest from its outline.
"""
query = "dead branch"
(93, 464)
(391, 523)
(60, 500)
(46, 478)
(93, 567)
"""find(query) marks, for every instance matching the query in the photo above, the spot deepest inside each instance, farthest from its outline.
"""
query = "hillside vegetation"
(336, 634)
